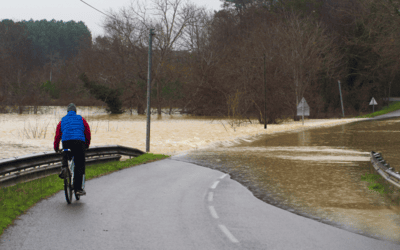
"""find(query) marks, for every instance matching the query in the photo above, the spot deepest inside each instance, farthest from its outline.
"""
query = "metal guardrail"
(384, 169)
(39, 165)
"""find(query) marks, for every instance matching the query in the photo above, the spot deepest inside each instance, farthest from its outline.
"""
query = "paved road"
(176, 205)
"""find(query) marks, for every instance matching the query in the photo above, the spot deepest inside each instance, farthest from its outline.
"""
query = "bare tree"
(304, 50)
(172, 19)
(248, 41)
(380, 20)
(203, 57)
(53, 57)
(16, 65)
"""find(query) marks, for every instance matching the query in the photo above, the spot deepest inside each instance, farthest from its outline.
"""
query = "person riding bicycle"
(75, 134)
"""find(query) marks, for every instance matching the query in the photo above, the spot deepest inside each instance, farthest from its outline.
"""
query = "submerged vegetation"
(378, 184)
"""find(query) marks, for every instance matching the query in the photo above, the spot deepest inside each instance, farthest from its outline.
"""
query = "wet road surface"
(176, 205)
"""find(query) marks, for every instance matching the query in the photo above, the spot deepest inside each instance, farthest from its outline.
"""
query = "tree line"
(213, 63)
(28, 49)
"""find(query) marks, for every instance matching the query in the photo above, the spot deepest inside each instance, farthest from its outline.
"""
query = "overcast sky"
(67, 10)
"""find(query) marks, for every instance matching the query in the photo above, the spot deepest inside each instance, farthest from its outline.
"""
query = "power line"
(97, 10)
(207, 25)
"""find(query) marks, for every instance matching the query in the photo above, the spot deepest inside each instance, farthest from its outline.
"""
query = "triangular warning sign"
(303, 108)
(303, 102)
(373, 102)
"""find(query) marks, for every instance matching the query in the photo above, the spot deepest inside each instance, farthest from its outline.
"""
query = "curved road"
(176, 205)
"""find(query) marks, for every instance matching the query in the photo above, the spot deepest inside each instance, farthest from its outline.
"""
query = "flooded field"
(28, 133)
(312, 170)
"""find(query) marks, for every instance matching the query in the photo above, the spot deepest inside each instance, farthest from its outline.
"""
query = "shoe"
(81, 192)
(63, 173)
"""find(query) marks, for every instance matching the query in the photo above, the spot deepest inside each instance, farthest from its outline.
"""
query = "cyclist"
(75, 134)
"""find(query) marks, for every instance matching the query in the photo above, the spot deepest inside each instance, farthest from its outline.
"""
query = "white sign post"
(303, 109)
(373, 103)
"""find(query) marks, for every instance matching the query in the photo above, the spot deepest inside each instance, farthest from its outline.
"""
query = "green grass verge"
(16, 200)
(378, 184)
(387, 109)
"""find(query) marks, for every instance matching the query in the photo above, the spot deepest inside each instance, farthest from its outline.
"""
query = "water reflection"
(304, 138)
(316, 173)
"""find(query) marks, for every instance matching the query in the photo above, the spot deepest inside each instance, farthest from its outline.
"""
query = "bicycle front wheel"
(68, 188)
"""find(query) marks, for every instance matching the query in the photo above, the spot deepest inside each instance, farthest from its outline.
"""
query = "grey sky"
(76, 10)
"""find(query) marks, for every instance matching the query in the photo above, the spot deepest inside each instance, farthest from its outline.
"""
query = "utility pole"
(265, 98)
(341, 100)
(303, 112)
(390, 84)
(148, 94)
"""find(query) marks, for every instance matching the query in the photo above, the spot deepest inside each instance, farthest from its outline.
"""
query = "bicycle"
(69, 177)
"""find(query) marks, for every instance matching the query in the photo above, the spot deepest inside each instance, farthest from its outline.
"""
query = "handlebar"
(62, 150)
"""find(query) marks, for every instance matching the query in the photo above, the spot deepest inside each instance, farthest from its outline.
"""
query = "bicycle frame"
(69, 180)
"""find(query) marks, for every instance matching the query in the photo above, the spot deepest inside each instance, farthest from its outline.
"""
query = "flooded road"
(316, 173)
(313, 172)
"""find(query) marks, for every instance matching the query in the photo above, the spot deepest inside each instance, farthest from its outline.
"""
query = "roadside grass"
(387, 109)
(16, 200)
(378, 184)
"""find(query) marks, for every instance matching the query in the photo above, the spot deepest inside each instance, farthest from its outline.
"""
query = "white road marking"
(210, 196)
(222, 177)
(215, 184)
(228, 234)
(213, 212)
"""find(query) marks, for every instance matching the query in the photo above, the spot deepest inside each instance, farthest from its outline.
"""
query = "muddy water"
(312, 172)
(316, 173)
(28, 133)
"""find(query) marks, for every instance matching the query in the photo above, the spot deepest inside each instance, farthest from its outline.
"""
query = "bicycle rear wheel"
(68, 187)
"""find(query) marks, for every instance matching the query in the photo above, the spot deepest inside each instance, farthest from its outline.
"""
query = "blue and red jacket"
(72, 127)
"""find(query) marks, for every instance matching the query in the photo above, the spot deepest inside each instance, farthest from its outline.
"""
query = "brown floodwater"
(316, 173)
(27, 133)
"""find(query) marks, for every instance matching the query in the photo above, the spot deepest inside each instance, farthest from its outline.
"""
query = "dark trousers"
(77, 148)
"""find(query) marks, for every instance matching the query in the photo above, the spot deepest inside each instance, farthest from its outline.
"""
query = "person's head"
(71, 107)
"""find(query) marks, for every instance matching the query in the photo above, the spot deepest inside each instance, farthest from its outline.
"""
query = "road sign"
(300, 108)
(373, 102)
